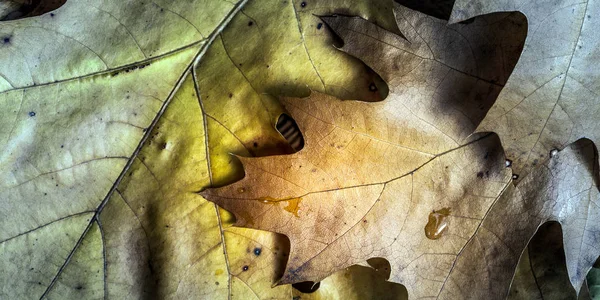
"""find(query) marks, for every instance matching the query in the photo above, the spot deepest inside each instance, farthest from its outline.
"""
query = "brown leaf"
(371, 174)
(396, 180)
(563, 190)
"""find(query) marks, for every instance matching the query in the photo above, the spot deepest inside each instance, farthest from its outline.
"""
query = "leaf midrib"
(146, 135)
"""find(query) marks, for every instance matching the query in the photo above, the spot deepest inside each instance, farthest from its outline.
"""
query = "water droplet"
(515, 176)
(553, 153)
(508, 163)
(437, 224)
(241, 190)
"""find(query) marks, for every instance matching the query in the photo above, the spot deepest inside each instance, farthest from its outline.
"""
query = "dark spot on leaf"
(245, 268)
(255, 145)
(6, 39)
(216, 283)
(480, 174)
(306, 287)
(32, 113)
(79, 287)
(257, 251)
(515, 176)
(372, 87)
(230, 95)
(52, 14)
(250, 23)
(319, 26)
(303, 4)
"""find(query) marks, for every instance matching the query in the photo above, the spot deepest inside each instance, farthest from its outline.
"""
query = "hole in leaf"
(15, 10)
(307, 287)
(440, 9)
(290, 131)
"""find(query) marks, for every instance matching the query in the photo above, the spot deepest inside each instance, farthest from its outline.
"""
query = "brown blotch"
(293, 204)
(437, 224)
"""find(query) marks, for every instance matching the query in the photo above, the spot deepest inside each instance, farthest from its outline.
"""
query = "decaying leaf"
(563, 190)
(116, 113)
(290, 52)
(365, 186)
(552, 97)
(362, 161)
(76, 102)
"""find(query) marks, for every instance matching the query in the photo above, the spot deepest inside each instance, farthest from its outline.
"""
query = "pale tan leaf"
(551, 99)
(563, 190)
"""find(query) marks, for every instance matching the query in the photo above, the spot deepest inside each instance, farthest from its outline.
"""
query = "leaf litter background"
(152, 234)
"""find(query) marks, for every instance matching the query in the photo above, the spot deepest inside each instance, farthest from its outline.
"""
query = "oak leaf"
(371, 174)
(346, 198)
(551, 99)
(106, 128)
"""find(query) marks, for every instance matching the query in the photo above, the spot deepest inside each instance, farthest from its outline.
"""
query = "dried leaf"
(89, 211)
(345, 197)
(365, 186)
(551, 98)
(563, 190)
